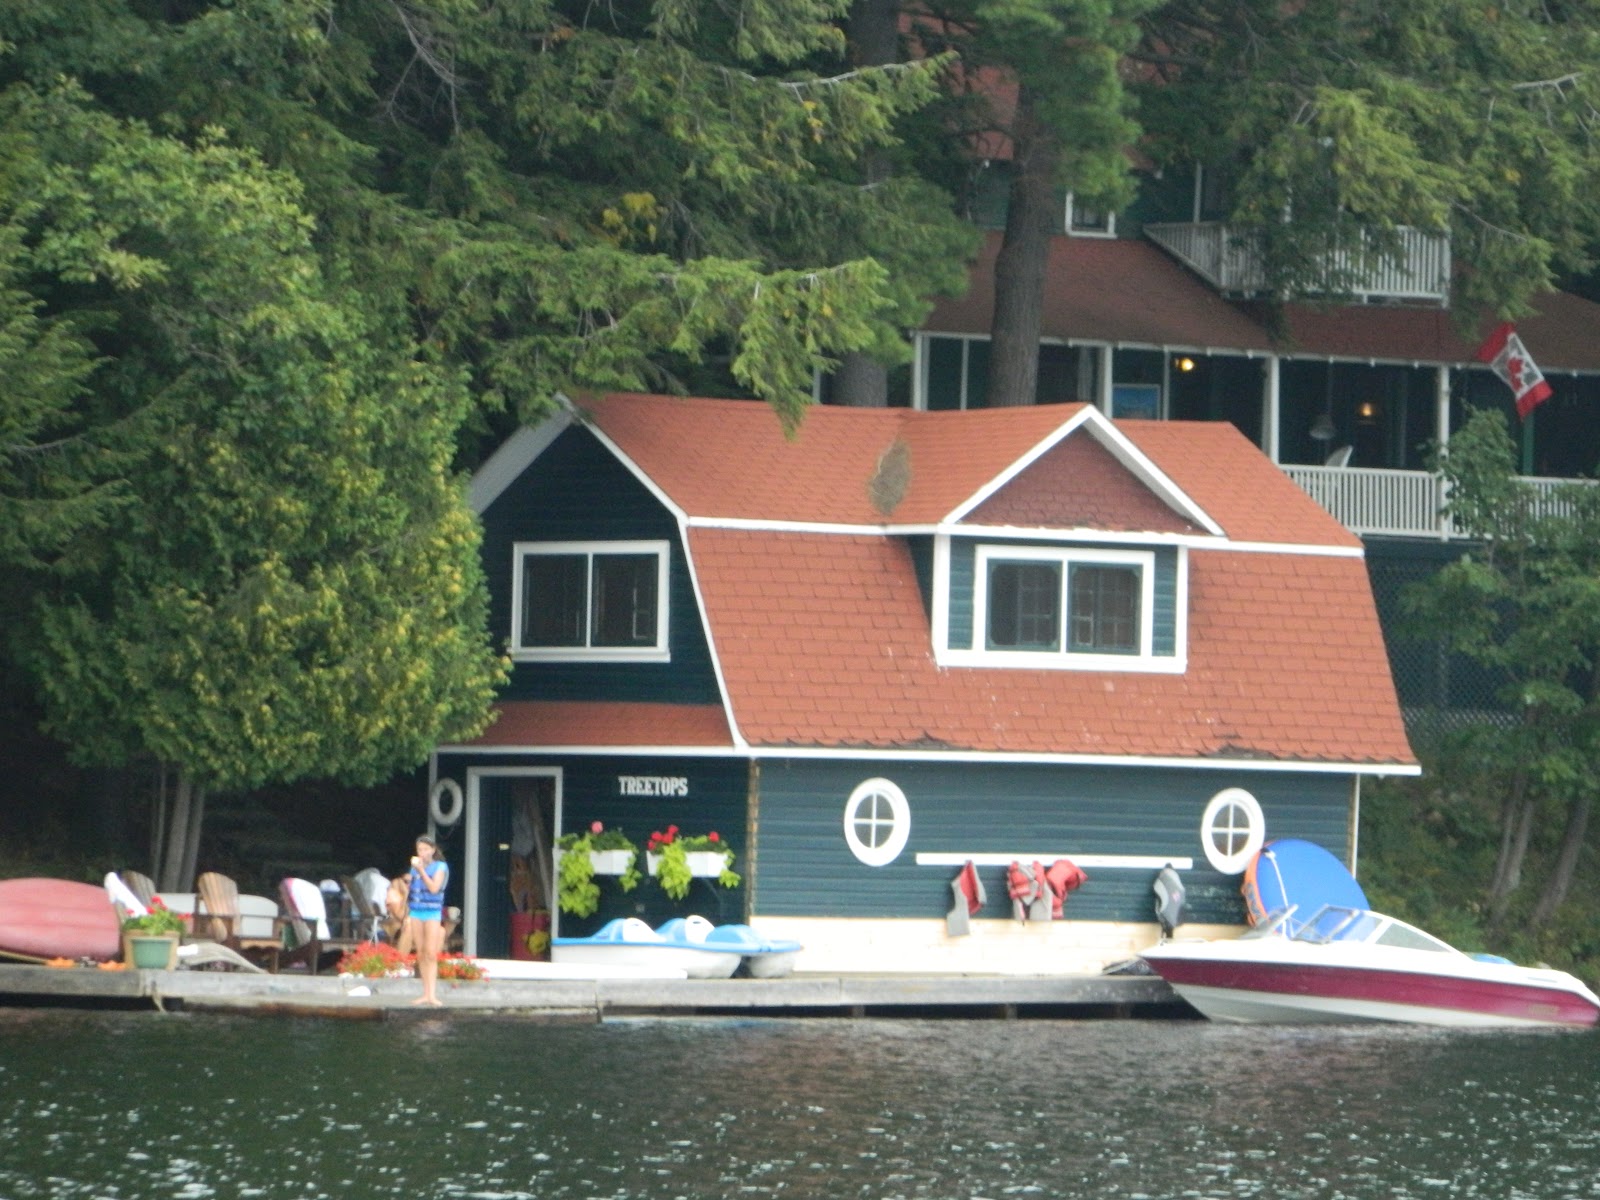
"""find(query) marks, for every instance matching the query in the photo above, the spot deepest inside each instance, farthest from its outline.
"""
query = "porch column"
(1107, 358)
(1441, 407)
(1271, 417)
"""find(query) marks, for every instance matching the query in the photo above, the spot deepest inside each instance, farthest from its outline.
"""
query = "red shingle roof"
(599, 723)
(823, 635)
(824, 642)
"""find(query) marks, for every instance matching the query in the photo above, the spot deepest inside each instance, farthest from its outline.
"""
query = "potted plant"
(151, 939)
(675, 860)
(576, 866)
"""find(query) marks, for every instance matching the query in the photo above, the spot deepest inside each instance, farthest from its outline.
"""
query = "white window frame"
(1108, 230)
(1230, 800)
(657, 651)
(899, 822)
(1064, 659)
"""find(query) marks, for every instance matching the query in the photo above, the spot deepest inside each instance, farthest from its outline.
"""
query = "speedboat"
(1349, 964)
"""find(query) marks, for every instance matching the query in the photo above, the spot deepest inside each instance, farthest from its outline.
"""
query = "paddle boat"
(1339, 961)
(702, 950)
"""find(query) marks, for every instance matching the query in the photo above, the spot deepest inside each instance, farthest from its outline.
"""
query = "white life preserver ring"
(436, 802)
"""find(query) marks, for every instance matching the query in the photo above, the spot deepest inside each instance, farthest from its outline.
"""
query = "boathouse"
(892, 642)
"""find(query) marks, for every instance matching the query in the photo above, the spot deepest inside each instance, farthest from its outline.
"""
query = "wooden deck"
(990, 996)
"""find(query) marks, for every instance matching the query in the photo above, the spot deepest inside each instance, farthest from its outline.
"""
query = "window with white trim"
(1084, 220)
(588, 600)
(877, 822)
(1232, 830)
(1050, 601)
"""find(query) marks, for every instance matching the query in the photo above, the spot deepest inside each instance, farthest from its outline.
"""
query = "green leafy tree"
(1045, 76)
(1525, 602)
(291, 585)
(1339, 121)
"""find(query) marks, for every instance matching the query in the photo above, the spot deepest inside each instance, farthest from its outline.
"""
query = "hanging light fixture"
(1184, 363)
(1367, 412)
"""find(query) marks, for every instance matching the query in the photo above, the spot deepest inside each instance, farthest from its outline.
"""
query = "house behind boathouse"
(898, 641)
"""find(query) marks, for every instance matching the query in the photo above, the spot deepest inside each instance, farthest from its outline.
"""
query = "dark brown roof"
(1110, 290)
(1131, 293)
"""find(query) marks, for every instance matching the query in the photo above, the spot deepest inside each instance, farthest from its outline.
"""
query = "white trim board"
(1130, 862)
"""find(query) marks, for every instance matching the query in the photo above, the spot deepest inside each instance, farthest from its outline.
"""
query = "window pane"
(1105, 609)
(624, 600)
(944, 373)
(554, 599)
(1024, 605)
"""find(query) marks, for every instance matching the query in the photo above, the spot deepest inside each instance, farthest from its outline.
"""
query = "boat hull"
(57, 918)
(1274, 980)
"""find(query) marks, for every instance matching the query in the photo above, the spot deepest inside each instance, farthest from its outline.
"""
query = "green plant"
(159, 921)
(672, 859)
(576, 891)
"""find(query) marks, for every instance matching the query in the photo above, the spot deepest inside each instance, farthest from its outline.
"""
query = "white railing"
(1229, 259)
(1374, 501)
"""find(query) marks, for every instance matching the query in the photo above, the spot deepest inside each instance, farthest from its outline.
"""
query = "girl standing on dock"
(425, 902)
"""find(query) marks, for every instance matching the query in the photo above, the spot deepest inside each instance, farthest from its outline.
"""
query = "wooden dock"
(299, 994)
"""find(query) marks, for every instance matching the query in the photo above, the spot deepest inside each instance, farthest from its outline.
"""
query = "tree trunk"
(1516, 829)
(1555, 888)
(874, 33)
(178, 855)
(172, 852)
(1032, 216)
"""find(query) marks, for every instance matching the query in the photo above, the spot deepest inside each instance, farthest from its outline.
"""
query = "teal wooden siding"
(964, 581)
(576, 491)
(716, 799)
(806, 869)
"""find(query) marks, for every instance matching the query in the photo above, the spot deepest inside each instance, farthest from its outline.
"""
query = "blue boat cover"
(1291, 871)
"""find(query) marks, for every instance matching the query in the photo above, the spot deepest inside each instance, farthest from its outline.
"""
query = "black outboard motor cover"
(1169, 900)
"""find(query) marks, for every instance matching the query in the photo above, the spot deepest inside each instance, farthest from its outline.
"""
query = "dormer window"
(1044, 606)
(590, 600)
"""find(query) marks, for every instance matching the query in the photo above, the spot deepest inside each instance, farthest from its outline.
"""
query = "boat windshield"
(1332, 923)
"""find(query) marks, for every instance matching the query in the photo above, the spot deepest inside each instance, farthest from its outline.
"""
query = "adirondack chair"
(256, 935)
(192, 952)
(307, 915)
(141, 885)
(366, 891)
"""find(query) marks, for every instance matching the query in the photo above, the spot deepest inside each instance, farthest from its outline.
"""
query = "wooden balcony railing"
(1228, 259)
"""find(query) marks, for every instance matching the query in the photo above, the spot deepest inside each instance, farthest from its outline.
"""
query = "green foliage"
(291, 588)
(576, 890)
(1427, 845)
(1439, 114)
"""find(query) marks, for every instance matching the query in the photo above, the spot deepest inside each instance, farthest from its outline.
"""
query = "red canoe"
(57, 918)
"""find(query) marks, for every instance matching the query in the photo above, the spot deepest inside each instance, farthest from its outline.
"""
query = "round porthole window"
(1232, 830)
(877, 822)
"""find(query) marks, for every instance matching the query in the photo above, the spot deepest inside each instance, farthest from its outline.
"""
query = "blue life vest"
(420, 899)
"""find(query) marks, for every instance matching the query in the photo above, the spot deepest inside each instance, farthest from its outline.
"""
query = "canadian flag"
(1508, 358)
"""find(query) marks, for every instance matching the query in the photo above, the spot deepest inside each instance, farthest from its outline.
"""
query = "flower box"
(703, 864)
(605, 862)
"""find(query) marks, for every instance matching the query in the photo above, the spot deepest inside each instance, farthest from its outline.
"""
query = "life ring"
(436, 809)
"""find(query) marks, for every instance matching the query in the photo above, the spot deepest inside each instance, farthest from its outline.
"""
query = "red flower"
(596, 827)
(712, 836)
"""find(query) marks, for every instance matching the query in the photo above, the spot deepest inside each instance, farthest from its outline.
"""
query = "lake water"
(140, 1105)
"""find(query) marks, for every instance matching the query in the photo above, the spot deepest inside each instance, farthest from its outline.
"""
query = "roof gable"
(1079, 484)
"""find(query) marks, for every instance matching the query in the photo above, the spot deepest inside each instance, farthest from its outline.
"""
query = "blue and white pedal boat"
(628, 941)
